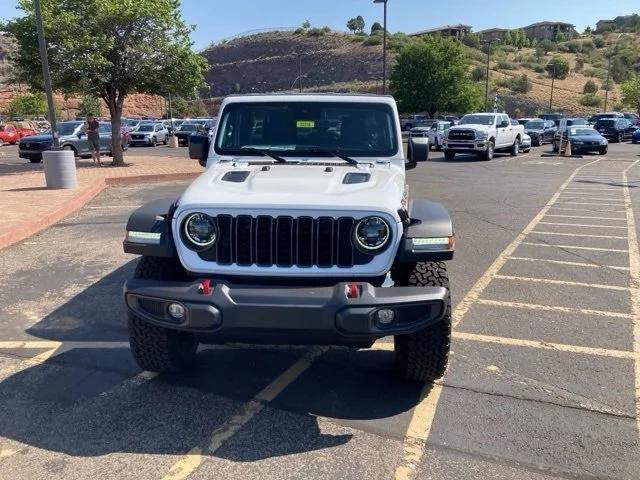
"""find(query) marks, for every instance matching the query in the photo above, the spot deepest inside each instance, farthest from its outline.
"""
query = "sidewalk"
(28, 207)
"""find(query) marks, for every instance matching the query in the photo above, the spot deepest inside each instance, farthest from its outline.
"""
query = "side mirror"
(417, 151)
(80, 134)
(199, 148)
(504, 124)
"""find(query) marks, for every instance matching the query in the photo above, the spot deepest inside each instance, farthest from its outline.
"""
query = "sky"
(219, 19)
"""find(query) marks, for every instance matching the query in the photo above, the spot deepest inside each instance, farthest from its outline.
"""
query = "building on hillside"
(493, 34)
(603, 25)
(549, 30)
(623, 22)
(455, 31)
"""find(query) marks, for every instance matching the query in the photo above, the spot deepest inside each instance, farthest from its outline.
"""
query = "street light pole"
(45, 73)
(486, 88)
(553, 78)
(607, 85)
(384, 47)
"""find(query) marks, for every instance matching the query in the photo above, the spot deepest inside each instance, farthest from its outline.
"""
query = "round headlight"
(371, 234)
(200, 230)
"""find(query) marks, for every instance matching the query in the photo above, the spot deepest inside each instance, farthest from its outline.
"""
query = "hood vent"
(355, 177)
(235, 177)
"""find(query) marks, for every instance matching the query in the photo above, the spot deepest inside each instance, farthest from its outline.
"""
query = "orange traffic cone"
(567, 149)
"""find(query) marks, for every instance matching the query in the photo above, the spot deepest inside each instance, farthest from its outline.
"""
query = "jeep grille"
(285, 242)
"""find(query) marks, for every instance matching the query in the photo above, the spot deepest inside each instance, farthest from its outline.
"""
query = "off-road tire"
(423, 355)
(449, 155)
(154, 348)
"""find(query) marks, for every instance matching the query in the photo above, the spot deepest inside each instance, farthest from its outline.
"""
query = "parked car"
(583, 139)
(615, 129)
(555, 117)
(636, 136)
(72, 136)
(599, 116)
(186, 130)
(150, 134)
(8, 134)
(525, 144)
(569, 122)
(524, 121)
(483, 134)
(410, 121)
(632, 117)
(540, 131)
(24, 128)
(436, 133)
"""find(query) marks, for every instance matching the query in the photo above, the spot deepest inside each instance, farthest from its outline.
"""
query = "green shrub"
(326, 29)
(298, 31)
(607, 85)
(599, 42)
(504, 65)
(472, 40)
(502, 82)
(563, 48)
(590, 88)
(316, 32)
(591, 100)
(520, 84)
(593, 72)
(579, 66)
(559, 67)
(479, 73)
(588, 46)
(574, 46)
(373, 40)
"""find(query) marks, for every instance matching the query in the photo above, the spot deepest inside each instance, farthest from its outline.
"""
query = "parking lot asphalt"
(544, 378)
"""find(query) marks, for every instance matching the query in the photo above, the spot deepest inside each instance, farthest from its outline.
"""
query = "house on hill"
(493, 34)
(455, 31)
(549, 30)
(624, 22)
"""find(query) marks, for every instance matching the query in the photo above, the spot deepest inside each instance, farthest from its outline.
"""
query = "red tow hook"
(353, 290)
(205, 287)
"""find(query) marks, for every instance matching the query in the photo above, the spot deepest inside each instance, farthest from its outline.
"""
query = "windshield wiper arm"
(334, 153)
(266, 153)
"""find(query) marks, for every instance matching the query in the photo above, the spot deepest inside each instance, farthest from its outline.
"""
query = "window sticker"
(305, 124)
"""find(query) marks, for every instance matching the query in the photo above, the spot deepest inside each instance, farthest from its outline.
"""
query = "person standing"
(93, 136)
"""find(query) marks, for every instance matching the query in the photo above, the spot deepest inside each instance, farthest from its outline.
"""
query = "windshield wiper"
(266, 153)
(334, 153)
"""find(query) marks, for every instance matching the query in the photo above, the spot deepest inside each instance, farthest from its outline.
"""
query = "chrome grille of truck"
(462, 135)
(285, 241)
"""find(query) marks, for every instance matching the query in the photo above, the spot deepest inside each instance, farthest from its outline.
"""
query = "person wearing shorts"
(93, 136)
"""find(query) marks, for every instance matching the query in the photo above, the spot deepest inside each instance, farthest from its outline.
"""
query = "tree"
(546, 46)
(432, 76)
(306, 24)
(587, 31)
(508, 38)
(28, 105)
(352, 25)
(90, 104)
(558, 68)
(631, 93)
(360, 23)
(110, 49)
(590, 88)
(376, 27)
(520, 84)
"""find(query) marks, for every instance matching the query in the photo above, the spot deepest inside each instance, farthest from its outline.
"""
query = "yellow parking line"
(634, 265)
(562, 262)
(552, 308)
(587, 216)
(560, 224)
(597, 249)
(602, 352)
(586, 235)
(560, 282)
(192, 460)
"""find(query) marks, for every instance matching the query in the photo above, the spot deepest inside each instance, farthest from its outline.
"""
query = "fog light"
(385, 317)
(176, 311)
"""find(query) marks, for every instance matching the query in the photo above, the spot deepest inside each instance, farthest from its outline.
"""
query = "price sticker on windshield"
(306, 124)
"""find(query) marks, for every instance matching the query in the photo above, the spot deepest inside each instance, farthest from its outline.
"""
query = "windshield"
(535, 125)
(145, 128)
(477, 120)
(64, 129)
(188, 127)
(356, 129)
(582, 131)
(606, 122)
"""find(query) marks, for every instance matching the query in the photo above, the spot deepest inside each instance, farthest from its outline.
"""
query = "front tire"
(488, 154)
(423, 355)
(515, 148)
(35, 160)
(603, 151)
(449, 155)
(154, 348)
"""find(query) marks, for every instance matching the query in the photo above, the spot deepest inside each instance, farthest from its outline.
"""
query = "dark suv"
(615, 129)
(540, 131)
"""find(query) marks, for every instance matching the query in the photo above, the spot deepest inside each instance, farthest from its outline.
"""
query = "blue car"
(585, 139)
(636, 137)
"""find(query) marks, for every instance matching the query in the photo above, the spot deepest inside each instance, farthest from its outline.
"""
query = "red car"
(24, 128)
(8, 134)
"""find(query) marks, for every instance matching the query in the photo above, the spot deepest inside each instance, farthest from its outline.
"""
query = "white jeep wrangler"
(293, 235)
(483, 134)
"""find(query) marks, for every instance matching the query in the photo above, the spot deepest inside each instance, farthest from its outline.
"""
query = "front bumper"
(461, 146)
(140, 141)
(30, 154)
(286, 315)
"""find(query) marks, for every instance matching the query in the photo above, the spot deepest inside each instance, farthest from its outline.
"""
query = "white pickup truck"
(483, 134)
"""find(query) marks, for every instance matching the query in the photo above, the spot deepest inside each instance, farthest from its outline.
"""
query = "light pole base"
(60, 169)
(173, 141)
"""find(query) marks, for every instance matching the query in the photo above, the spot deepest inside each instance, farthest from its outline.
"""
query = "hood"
(471, 126)
(37, 138)
(328, 186)
(534, 130)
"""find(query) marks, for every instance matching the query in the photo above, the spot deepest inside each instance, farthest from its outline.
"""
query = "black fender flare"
(152, 217)
(426, 219)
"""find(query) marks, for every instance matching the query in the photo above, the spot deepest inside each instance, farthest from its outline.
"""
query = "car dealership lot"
(542, 381)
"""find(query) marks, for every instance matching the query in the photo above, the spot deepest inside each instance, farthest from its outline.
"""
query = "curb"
(85, 195)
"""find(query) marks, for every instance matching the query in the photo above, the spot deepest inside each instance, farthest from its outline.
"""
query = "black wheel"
(154, 141)
(449, 155)
(166, 140)
(620, 138)
(603, 151)
(438, 146)
(423, 355)
(515, 148)
(537, 142)
(35, 160)
(488, 154)
(556, 149)
(155, 348)
(70, 148)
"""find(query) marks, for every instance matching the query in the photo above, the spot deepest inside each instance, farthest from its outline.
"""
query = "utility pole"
(607, 85)
(384, 47)
(488, 43)
(45, 73)
(553, 78)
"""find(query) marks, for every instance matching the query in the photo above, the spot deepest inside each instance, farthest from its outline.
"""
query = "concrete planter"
(60, 169)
